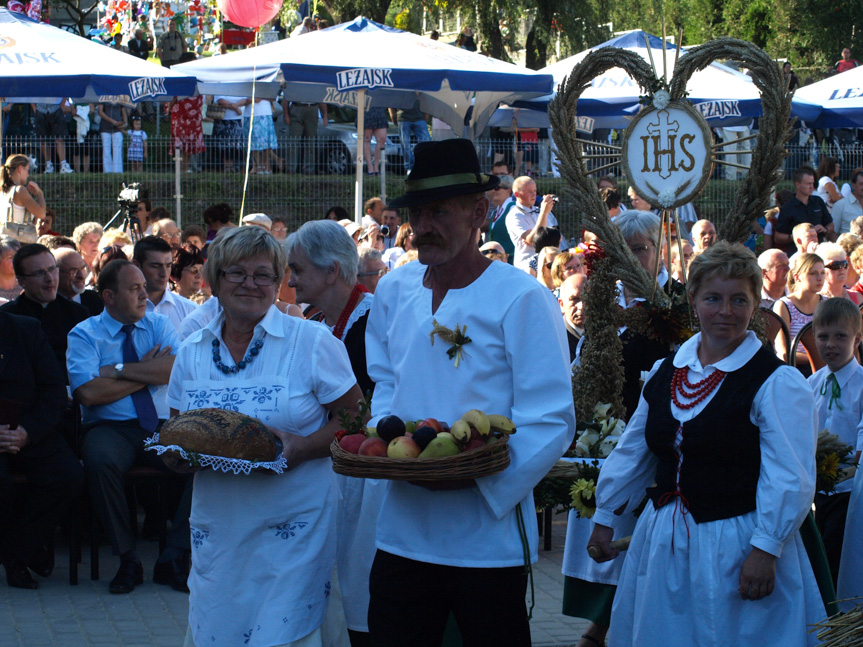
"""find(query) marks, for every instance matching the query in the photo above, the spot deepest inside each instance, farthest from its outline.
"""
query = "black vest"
(720, 447)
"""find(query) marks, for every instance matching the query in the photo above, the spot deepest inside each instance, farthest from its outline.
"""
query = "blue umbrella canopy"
(38, 60)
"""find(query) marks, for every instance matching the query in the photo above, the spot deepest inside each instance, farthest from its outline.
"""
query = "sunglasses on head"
(837, 265)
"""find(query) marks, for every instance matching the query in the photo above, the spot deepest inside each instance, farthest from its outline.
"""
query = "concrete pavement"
(60, 615)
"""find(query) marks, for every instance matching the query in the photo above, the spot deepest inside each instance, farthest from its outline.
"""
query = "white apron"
(263, 545)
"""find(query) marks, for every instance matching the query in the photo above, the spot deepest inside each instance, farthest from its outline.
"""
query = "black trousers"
(411, 602)
(29, 516)
(830, 513)
(111, 448)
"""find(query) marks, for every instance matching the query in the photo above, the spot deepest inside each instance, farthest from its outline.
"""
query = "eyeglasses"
(75, 271)
(492, 252)
(382, 272)
(172, 235)
(41, 275)
(196, 271)
(837, 265)
(239, 276)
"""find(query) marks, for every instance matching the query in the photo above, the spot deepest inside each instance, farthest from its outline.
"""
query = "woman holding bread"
(263, 545)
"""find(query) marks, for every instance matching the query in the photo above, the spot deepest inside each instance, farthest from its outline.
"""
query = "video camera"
(129, 197)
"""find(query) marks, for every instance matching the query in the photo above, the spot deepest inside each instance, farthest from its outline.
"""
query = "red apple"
(434, 424)
(373, 447)
(474, 444)
(352, 443)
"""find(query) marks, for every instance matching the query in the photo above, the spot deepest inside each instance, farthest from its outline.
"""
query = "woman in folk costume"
(726, 433)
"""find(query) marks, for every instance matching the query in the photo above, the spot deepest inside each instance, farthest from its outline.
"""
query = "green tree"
(345, 10)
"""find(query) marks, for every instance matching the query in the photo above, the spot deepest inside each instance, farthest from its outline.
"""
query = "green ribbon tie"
(835, 391)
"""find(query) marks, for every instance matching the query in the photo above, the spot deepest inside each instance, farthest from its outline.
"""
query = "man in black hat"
(452, 333)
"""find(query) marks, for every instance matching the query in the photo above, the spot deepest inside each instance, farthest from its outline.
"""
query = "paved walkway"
(59, 615)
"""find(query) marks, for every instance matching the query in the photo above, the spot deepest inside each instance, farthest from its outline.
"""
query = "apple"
(402, 447)
(352, 443)
(431, 422)
(410, 426)
(373, 447)
(474, 444)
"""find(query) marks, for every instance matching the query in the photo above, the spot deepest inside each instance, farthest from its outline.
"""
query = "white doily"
(235, 465)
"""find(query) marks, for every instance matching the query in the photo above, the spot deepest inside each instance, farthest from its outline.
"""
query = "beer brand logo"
(719, 109)
(584, 124)
(144, 87)
(850, 93)
(667, 154)
(363, 78)
(348, 99)
(6, 41)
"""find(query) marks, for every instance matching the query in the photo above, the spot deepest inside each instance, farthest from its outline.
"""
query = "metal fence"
(307, 177)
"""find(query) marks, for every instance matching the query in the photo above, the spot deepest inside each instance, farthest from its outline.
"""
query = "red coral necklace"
(679, 384)
(349, 308)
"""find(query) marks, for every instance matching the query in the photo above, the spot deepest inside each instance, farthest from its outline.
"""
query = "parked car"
(337, 141)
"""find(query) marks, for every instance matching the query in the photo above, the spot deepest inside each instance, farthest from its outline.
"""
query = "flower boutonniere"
(456, 338)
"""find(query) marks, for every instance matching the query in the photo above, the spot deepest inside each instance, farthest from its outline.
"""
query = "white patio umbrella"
(364, 64)
(840, 99)
(40, 63)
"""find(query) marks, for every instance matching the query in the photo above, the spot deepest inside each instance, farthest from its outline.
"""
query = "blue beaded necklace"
(217, 357)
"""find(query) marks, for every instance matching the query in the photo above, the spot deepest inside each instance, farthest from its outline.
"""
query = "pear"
(440, 446)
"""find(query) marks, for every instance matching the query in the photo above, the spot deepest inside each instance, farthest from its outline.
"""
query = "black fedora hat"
(443, 170)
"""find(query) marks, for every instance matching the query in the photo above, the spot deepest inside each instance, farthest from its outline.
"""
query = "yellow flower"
(583, 500)
(829, 466)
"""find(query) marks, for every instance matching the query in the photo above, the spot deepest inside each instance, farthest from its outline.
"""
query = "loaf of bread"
(220, 433)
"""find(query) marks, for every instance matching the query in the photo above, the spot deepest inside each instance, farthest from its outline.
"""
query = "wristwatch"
(119, 370)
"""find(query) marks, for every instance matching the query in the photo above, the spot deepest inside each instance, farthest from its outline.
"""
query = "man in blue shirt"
(119, 364)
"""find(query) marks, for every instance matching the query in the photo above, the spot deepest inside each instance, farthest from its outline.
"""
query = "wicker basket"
(471, 464)
(564, 469)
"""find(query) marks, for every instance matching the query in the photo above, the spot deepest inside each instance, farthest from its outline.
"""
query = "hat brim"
(416, 198)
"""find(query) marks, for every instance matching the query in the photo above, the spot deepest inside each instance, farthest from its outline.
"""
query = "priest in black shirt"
(37, 272)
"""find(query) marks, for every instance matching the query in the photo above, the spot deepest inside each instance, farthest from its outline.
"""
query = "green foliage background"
(809, 33)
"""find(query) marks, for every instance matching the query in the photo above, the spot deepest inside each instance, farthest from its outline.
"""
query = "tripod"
(130, 224)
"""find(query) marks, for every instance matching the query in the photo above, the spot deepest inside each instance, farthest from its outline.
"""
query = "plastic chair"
(806, 337)
(775, 325)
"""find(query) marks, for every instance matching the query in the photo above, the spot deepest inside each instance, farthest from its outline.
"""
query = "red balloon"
(249, 13)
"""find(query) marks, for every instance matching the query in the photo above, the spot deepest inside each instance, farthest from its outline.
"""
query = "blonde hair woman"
(543, 266)
(836, 272)
(805, 282)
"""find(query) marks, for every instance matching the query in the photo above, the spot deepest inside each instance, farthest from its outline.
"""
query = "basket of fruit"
(474, 445)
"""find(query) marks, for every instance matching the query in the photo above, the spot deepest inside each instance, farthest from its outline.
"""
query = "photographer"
(171, 45)
(526, 219)
(390, 227)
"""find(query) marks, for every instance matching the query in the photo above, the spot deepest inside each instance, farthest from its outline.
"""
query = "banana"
(478, 420)
(460, 430)
(501, 424)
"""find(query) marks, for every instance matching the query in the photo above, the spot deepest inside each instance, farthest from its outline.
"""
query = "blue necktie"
(143, 401)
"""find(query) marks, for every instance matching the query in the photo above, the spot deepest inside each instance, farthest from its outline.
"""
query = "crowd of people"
(138, 326)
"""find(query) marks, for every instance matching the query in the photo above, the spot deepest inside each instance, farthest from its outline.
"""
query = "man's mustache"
(433, 241)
